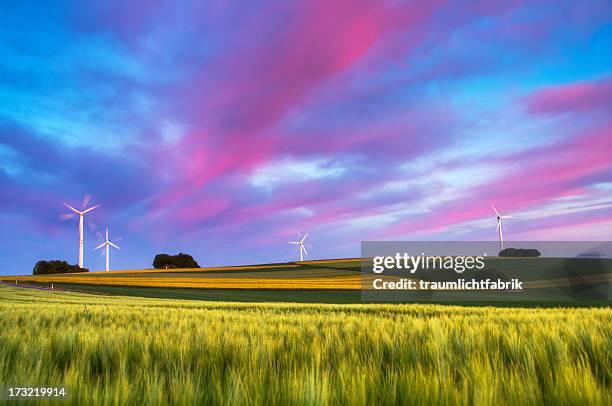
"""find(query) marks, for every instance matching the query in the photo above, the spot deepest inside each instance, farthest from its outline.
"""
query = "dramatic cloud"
(573, 97)
(224, 129)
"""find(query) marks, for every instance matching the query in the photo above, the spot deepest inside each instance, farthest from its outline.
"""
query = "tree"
(520, 252)
(181, 260)
(56, 266)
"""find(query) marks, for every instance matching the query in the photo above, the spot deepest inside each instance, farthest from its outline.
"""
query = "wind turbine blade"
(91, 208)
(116, 246)
(293, 242)
(72, 208)
(495, 210)
(86, 200)
(304, 248)
(303, 238)
(106, 233)
(101, 245)
(498, 224)
(507, 217)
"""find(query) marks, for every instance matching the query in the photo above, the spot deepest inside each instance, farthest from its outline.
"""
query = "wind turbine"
(81, 214)
(108, 244)
(302, 248)
(499, 226)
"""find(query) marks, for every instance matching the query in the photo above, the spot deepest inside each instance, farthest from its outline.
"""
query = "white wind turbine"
(107, 243)
(81, 214)
(499, 226)
(301, 245)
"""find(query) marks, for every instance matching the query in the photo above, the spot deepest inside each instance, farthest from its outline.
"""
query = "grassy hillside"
(546, 280)
(317, 275)
(226, 295)
(125, 350)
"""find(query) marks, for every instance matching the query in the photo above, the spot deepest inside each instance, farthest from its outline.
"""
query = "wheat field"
(122, 350)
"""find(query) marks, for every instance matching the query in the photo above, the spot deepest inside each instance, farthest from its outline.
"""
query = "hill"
(340, 281)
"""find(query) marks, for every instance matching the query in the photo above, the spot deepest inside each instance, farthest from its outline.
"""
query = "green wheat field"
(127, 350)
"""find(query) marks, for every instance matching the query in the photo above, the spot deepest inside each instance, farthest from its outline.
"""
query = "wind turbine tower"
(499, 227)
(108, 244)
(81, 215)
(301, 245)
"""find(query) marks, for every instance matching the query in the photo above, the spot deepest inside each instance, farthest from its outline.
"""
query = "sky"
(225, 129)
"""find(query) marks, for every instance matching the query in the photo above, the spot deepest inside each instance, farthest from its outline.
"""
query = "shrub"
(519, 252)
(490, 273)
(181, 260)
(56, 266)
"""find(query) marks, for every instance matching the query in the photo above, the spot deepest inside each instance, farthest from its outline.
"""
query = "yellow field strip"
(184, 270)
(350, 282)
(340, 282)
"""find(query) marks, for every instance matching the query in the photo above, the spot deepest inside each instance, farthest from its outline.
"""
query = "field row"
(352, 282)
(117, 350)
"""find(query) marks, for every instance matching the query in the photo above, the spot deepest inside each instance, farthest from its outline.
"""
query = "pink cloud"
(573, 97)
(538, 175)
(266, 79)
(592, 225)
(238, 104)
